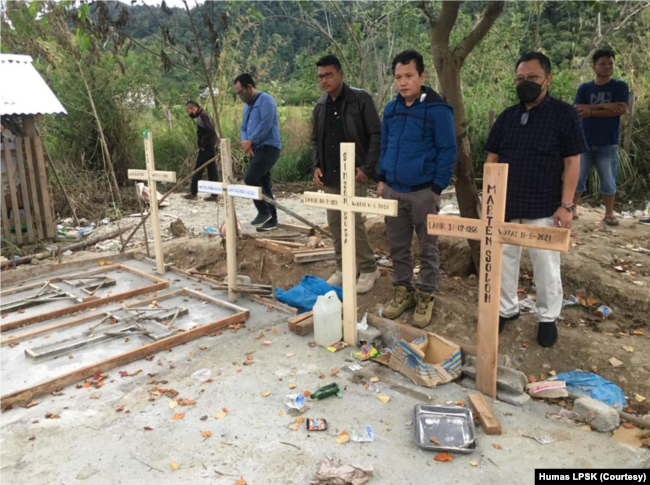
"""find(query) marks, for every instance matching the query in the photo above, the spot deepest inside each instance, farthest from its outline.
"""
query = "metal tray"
(452, 426)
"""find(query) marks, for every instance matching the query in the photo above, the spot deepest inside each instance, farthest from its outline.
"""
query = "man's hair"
(191, 102)
(408, 56)
(602, 53)
(245, 80)
(544, 61)
(329, 60)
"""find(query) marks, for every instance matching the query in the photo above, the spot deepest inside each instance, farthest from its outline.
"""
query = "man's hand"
(584, 111)
(318, 177)
(380, 189)
(562, 218)
(247, 146)
(435, 197)
(361, 177)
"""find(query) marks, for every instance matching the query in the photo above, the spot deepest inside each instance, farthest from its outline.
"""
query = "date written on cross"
(505, 235)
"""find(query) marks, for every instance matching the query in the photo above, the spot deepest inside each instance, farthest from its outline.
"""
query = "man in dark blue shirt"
(600, 104)
(541, 140)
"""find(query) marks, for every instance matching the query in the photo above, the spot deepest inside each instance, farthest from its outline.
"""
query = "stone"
(607, 326)
(509, 380)
(597, 414)
(514, 398)
(371, 334)
(178, 229)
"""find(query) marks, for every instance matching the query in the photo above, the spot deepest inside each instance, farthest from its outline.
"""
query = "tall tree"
(448, 61)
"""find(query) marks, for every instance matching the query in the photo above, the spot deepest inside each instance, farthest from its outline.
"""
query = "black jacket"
(361, 125)
(205, 132)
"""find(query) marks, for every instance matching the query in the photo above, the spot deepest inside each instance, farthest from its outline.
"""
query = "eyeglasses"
(535, 78)
(241, 92)
(325, 77)
(524, 118)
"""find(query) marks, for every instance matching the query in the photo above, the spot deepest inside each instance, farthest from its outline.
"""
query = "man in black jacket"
(344, 114)
(207, 139)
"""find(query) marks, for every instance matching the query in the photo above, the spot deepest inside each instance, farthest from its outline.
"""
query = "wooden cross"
(348, 204)
(493, 233)
(151, 175)
(232, 190)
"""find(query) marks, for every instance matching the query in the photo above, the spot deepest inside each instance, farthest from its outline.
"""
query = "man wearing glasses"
(344, 114)
(541, 140)
(260, 141)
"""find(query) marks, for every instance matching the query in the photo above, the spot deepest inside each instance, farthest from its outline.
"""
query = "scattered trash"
(328, 324)
(303, 296)
(547, 389)
(210, 231)
(202, 375)
(355, 367)
(343, 438)
(428, 361)
(363, 324)
(326, 391)
(593, 385)
(383, 261)
(451, 427)
(366, 352)
(603, 312)
(615, 362)
(337, 346)
(295, 401)
(362, 435)
(108, 246)
(384, 399)
(543, 439)
(571, 301)
(527, 304)
(316, 424)
(67, 253)
(335, 472)
(105, 221)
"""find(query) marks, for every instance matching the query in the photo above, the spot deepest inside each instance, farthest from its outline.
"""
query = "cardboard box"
(428, 361)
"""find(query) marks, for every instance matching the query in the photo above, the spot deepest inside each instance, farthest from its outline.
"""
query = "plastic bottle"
(328, 324)
(326, 391)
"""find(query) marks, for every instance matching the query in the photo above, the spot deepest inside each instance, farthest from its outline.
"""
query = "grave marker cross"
(348, 203)
(493, 233)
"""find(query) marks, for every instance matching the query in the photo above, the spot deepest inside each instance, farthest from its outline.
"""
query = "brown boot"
(402, 301)
(424, 308)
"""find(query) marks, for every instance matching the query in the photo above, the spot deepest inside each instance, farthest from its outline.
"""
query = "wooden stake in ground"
(348, 204)
(151, 175)
(493, 233)
(231, 190)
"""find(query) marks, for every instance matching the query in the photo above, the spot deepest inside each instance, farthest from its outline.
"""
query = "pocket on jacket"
(410, 170)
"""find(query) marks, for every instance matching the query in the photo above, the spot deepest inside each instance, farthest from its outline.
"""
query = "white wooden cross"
(152, 176)
(348, 204)
(232, 190)
(493, 233)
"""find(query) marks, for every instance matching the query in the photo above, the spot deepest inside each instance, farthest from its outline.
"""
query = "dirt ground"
(603, 267)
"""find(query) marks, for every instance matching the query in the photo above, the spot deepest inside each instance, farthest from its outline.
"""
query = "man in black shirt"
(541, 140)
(344, 114)
(207, 140)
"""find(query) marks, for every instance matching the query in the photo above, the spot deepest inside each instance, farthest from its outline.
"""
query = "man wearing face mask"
(541, 140)
(207, 139)
(260, 140)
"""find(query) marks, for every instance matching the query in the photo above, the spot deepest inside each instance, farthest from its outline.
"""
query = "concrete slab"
(91, 440)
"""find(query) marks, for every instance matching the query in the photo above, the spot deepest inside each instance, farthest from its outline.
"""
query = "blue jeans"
(604, 157)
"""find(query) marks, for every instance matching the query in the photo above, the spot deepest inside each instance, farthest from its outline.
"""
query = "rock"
(178, 229)
(607, 326)
(35, 261)
(514, 398)
(597, 414)
(371, 334)
(508, 380)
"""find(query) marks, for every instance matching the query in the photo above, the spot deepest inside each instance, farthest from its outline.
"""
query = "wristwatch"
(568, 207)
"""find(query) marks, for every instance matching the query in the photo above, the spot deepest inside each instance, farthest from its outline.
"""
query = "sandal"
(610, 220)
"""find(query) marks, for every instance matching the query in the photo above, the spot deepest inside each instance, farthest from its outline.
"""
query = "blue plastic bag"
(303, 296)
(594, 386)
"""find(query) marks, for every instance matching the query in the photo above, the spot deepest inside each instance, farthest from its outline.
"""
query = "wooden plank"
(304, 327)
(313, 250)
(288, 244)
(48, 215)
(278, 248)
(119, 360)
(540, 237)
(244, 191)
(153, 191)
(380, 207)
(321, 199)
(6, 227)
(348, 245)
(13, 193)
(156, 176)
(452, 226)
(314, 257)
(89, 303)
(24, 188)
(298, 228)
(291, 322)
(495, 182)
(31, 172)
(231, 221)
(274, 304)
(52, 328)
(483, 412)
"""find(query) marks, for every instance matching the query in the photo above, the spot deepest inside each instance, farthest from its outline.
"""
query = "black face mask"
(193, 115)
(528, 91)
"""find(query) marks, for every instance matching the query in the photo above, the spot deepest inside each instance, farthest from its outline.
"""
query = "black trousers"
(213, 170)
(259, 175)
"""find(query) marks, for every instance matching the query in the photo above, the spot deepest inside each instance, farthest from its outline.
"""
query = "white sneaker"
(336, 279)
(366, 281)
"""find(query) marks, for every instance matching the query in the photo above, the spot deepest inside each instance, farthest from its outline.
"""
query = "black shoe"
(261, 219)
(211, 198)
(547, 334)
(504, 320)
(269, 225)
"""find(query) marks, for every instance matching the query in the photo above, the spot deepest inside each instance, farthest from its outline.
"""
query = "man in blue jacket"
(418, 151)
(260, 140)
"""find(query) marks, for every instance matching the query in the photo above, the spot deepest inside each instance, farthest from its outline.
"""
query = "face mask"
(193, 115)
(528, 91)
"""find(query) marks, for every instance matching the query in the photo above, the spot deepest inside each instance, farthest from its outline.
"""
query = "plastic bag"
(303, 296)
(594, 386)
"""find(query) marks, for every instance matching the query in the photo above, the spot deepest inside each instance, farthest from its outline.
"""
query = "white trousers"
(546, 275)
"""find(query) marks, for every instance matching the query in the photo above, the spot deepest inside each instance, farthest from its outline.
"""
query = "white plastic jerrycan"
(328, 324)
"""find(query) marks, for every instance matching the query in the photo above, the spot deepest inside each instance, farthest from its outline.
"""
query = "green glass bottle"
(326, 391)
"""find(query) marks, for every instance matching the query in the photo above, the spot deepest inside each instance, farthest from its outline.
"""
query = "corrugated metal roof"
(23, 90)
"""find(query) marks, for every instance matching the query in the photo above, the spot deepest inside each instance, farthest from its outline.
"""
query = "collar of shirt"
(539, 107)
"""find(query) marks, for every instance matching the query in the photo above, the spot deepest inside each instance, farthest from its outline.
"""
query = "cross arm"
(156, 176)
(539, 237)
(356, 204)
(452, 226)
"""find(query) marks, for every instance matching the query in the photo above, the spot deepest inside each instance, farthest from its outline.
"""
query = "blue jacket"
(260, 122)
(418, 143)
